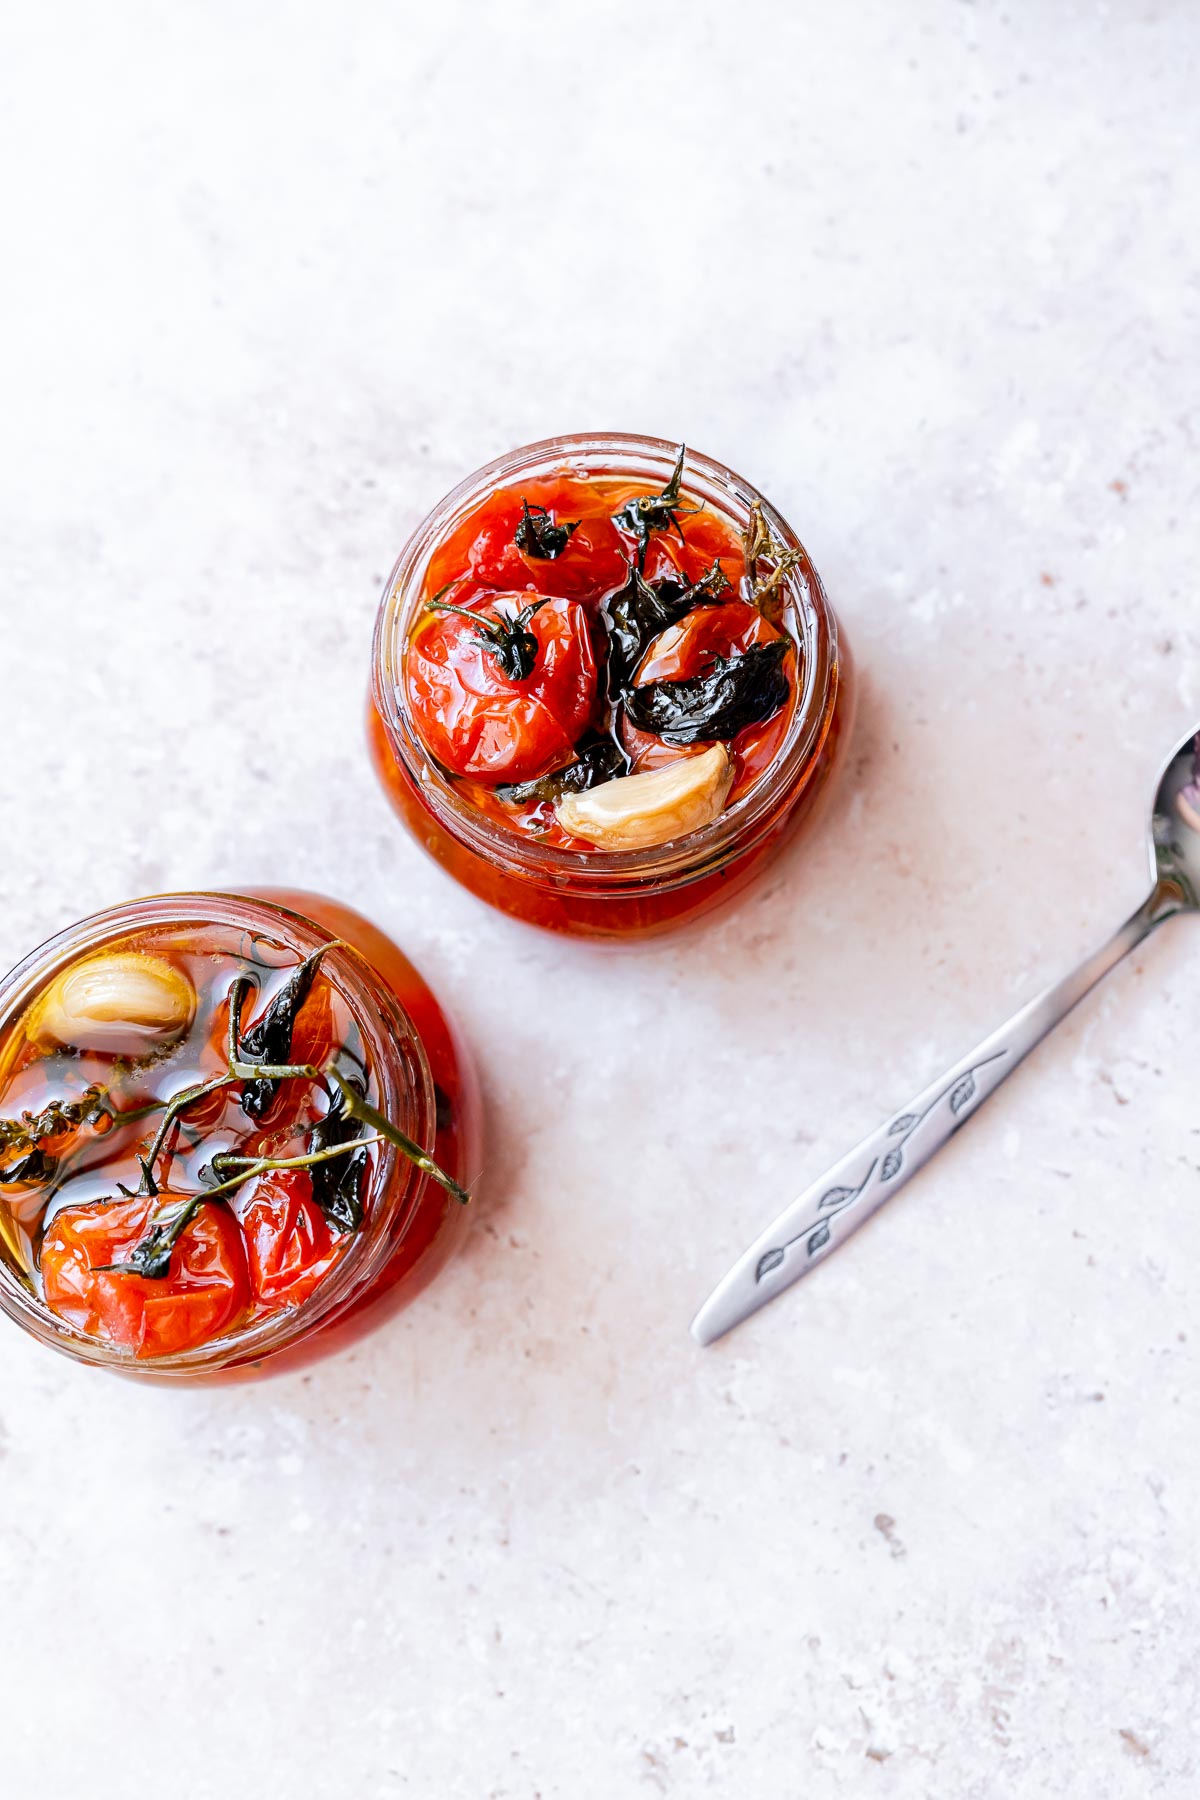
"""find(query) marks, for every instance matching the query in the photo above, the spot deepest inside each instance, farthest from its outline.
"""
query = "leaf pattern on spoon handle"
(959, 1094)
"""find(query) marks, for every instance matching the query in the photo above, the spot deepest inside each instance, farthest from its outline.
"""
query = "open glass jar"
(269, 1281)
(541, 876)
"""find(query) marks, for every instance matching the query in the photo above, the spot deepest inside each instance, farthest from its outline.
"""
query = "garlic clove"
(121, 1003)
(636, 812)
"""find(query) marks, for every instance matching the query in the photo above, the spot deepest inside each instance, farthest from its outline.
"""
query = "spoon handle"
(826, 1213)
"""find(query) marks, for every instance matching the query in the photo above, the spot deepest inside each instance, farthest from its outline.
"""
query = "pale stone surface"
(275, 277)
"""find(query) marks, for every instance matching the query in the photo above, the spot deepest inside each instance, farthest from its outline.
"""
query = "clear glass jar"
(596, 893)
(426, 1085)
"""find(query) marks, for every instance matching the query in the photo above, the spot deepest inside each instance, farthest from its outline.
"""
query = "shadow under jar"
(106, 1027)
(515, 853)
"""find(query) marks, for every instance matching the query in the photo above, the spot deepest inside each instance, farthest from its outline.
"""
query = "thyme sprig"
(175, 1106)
(152, 1255)
(759, 542)
(508, 638)
(539, 535)
(645, 513)
(28, 1133)
(55, 1117)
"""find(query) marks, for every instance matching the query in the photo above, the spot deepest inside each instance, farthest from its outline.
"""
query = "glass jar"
(426, 1086)
(601, 893)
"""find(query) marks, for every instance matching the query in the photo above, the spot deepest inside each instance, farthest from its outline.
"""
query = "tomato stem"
(361, 1109)
(175, 1106)
(655, 512)
(508, 638)
(259, 1165)
(539, 535)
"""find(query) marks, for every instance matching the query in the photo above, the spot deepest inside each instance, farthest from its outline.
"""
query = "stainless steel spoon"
(826, 1213)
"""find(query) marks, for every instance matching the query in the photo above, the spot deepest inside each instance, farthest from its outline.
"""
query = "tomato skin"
(483, 552)
(290, 1245)
(687, 649)
(592, 564)
(478, 722)
(207, 1289)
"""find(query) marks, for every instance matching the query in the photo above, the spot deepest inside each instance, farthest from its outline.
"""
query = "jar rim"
(734, 830)
(406, 1094)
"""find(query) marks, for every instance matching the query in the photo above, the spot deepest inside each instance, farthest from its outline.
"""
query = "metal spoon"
(826, 1213)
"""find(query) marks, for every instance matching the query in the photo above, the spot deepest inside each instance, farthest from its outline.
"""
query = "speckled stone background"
(274, 279)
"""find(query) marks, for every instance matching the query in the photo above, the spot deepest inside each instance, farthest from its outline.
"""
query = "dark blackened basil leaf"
(539, 536)
(269, 1039)
(637, 613)
(655, 512)
(601, 761)
(735, 692)
(337, 1184)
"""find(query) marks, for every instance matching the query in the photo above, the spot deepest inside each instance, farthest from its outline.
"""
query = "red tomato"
(289, 1243)
(476, 720)
(483, 552)
(592, 564)
(706, 536)
(203, 1295)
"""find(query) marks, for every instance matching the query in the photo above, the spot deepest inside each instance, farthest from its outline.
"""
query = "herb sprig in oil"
(349, 1128)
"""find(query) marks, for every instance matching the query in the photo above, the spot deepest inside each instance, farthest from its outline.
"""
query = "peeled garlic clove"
(122, 1003)
(637, 811)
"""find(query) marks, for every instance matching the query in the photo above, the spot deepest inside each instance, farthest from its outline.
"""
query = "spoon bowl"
(1175, 825)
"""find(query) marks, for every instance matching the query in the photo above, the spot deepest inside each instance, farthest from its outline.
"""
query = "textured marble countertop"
(927, 273)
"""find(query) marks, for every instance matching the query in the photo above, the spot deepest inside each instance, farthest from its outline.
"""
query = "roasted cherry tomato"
(205, 1291)
(476, 719)
(484, 550)
(591, 564)
(290, 1245)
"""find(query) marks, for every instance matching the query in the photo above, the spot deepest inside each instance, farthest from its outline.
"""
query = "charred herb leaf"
(35, 1165)
(655, 512)
(764, 592)
(269, 1039)
(55, 1117)
(27, 1134)
(639, 612)
(735, 692)
(337, 1185)
(253, 1063)
(539, 536)
(508, 638)
(599, 761)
